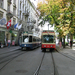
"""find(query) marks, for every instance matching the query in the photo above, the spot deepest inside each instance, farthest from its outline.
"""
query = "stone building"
(8, 10)
(21, 12)
(27, 15)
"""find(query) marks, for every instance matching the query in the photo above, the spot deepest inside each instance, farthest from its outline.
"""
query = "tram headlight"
(44, 45)
(51, 46)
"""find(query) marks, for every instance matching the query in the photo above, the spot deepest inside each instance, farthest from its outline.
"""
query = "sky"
(35, 2)
(45, 27)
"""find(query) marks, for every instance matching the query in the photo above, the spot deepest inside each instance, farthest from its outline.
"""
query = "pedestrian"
(1, 45)
(71, 42)
(8, 43)
(60, 44)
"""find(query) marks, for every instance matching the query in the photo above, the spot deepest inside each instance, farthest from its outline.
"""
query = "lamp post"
(48, 27)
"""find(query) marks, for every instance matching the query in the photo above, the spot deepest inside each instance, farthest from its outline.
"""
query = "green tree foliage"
(59, 12)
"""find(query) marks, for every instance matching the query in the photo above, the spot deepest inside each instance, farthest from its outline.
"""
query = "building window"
(20, 5)
(14, 21)
(14, 1)
(1, 15)
(20, 14)
(14, 11)
(8, 8)
(1, 3)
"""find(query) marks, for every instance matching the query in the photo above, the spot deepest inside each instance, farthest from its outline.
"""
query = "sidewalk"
(6, 49)
(66, 48)
(70, 52)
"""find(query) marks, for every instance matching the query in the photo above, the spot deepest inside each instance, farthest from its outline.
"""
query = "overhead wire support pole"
(48, 27)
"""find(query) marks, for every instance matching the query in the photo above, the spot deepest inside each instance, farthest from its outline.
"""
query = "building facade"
(21, 12)
(8, 10)
(27, 15)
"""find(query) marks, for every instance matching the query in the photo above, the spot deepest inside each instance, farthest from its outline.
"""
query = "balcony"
(34, 21)
(9, 1)
(32, 27)
(1, 6)
(14, 5)
(9, 13)
(26, 13)
(37, 29)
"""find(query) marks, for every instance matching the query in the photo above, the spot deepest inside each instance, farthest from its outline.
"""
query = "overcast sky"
(35, 2)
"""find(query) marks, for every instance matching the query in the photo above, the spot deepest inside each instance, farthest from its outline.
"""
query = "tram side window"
(30, 38)
(34, 40)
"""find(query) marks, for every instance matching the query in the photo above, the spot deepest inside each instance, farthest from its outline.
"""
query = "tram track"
(70, 57)
(55, 69)
(3, 56)
(54, 66)
(9, 51)
(37, 71)
(7, 60)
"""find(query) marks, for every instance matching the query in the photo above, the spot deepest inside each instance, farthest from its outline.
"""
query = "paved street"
(6, 49)
(28, 62)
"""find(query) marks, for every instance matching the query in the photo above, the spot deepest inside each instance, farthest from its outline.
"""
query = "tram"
(28, 41)
(48, 40)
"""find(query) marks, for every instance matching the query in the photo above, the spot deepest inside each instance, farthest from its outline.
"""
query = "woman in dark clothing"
(0, 44)
(71, 43)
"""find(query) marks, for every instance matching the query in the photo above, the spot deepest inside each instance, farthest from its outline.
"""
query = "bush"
(66, 43)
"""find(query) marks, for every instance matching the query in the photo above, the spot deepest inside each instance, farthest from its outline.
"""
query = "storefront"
(2, 37)
(6, 35)
(12, 35)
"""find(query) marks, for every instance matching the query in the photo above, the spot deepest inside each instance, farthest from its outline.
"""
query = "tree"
(60, 13)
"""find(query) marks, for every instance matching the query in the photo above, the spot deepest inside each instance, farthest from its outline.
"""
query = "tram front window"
(25, 39)
(48, 38)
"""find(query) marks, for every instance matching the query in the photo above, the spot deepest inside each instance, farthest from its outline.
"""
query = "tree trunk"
(64, 42)
(71, 40)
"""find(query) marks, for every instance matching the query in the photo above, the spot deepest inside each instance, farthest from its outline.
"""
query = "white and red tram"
(48, 40)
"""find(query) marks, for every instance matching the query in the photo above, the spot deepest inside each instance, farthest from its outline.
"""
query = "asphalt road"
(31, 62)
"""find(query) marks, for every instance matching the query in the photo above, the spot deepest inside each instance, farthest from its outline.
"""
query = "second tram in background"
(48, 40)
(28, 41)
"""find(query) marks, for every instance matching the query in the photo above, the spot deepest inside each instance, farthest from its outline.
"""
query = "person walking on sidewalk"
(1, 45)
(71, 42)
(60, 44)
(8, 43)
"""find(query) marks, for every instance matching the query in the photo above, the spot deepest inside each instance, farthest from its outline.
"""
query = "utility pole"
(48, 27)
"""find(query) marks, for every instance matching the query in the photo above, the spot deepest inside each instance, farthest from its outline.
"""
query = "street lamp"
(48, 27)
